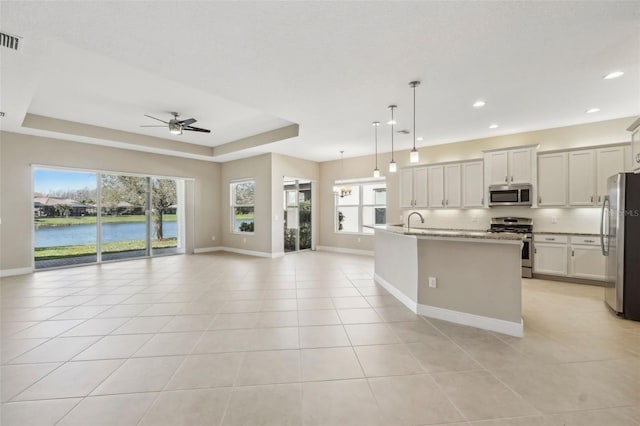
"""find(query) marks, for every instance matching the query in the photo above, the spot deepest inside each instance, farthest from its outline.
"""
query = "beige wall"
(257, 168)
(18, 152)
(568, 220)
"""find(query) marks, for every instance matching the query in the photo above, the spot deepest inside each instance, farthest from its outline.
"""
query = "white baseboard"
(485, 323)
(207, 249)
(16, 271)
(345, 250)
(406, 300)
(277, 254)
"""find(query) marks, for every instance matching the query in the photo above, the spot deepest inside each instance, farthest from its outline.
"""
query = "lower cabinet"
(550, 258)
(570, 256)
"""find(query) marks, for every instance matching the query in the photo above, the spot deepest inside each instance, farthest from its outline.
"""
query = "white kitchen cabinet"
(473, 184)
(413, 187)
(452, 186)
(582, 178)
(552, 179)
(510, 166)
(498, 167)
(609, 161)
(550, 258)
(436, 186)
(635, 145)
(586, 259)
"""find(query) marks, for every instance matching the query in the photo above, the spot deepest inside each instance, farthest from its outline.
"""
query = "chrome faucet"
(409, 220)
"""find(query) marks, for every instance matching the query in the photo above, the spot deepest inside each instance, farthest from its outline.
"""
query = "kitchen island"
(477, 274)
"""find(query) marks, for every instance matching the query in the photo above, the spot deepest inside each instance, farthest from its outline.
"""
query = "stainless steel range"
(518, 225)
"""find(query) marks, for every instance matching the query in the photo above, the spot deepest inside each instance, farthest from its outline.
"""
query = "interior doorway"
(297, 215)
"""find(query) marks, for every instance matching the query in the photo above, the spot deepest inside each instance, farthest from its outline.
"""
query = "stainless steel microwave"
(510, 195)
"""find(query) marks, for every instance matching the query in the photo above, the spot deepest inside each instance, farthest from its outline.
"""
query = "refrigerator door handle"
(605, 205)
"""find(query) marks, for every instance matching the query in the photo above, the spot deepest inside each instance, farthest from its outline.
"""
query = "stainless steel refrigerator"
(620, 241)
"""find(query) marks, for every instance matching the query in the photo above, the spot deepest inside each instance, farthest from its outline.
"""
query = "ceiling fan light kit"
(177, 126)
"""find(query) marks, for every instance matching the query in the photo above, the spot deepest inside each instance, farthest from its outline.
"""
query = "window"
(365, 206)
(242, 206)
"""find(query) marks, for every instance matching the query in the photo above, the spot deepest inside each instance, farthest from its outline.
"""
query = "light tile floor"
(307, 339)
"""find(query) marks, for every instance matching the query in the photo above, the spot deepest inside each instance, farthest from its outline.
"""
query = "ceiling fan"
(177, 126)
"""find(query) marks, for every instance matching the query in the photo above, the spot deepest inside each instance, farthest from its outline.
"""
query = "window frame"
(360, 183)
(233, 205)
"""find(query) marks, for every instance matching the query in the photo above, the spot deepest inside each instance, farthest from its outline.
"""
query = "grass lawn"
(44, 253)
(86, 220)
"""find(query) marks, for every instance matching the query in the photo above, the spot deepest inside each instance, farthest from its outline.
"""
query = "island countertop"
(450, 233)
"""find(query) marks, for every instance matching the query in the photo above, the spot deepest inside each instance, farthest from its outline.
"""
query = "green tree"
(133, 190)
(62, 210)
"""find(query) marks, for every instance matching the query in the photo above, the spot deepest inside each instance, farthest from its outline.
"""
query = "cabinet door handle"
(482, 201)
(539, 200)
(549, 239)
(511, 178)
(446, 203)
(589, 241)
(638, 158)
(506, 178)
(592, 198)
(599, 198)
(572, 254)
(442, 202)
(535, 251)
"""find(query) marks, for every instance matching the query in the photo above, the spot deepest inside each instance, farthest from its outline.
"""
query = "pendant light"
(393, 167)
(342, 190)
(414, 157)
(376, 171)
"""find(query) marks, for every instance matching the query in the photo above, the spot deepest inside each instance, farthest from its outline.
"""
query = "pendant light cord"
(392, 124)
(414, 117)
(376, 127)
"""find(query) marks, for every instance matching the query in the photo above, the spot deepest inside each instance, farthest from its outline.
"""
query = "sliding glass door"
(95, 217)
(64, 218)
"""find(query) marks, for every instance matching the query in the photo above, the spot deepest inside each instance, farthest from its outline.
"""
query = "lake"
(86, 234)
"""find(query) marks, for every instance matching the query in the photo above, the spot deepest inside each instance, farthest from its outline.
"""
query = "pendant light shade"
(376, 171)
(414, 156)
(393, 167)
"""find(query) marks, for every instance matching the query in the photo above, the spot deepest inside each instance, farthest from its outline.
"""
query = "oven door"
(527, 259)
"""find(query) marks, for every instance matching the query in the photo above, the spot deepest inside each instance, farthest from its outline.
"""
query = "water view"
(86, 233)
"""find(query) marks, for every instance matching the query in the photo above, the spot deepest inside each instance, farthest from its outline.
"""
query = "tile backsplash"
(579, 220)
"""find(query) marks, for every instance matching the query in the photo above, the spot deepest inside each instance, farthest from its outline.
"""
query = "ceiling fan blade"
(188, 121)
(166, 122)
(152, 125)
(196, 129)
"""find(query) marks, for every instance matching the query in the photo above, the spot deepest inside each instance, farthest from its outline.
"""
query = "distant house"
(121, 208)
(46, 207)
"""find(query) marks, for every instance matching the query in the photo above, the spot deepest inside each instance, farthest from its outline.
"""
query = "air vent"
(2, 114)
(404, 131)
(10, 41)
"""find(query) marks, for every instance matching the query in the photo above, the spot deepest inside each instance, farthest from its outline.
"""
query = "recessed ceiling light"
(390, 122)
(493, 126)
(592, 110)
(613, 75)
(420, 138)
(479, 104)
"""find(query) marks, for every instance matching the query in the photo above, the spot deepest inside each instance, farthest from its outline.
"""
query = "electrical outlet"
(358, 239)
(244, 240)
(432, 282)
(213, 238)
(554, 219)
(275, 218)
(474, 218)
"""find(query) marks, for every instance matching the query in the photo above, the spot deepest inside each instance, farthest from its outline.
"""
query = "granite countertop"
(575, 234)
(451, 233)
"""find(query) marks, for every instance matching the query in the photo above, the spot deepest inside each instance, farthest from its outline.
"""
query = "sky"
(48, 181)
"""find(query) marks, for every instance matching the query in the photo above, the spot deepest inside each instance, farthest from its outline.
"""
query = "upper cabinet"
(510, 166)
(413, 187)
(588, 173)
(582, 178)
(449, 185)
(552, 179)
(609, 161)
(635, 145)
(452, 186)
(473, 184)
